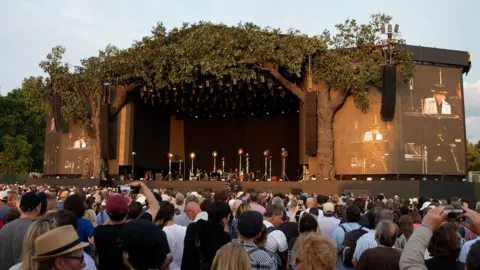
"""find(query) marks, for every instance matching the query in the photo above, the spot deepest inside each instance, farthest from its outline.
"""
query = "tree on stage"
(334, 66)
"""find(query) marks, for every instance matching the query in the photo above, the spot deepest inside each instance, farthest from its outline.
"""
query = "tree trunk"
(95, 158)
(325, 155)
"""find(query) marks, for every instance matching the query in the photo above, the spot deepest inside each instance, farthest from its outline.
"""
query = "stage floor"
(402, 188)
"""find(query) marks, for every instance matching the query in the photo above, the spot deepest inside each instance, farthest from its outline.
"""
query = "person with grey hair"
(182, 219)
(278, 202)
(368, 240)
(276, 239)
(383, 256)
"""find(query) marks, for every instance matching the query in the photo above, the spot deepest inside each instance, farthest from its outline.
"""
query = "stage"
(402, 188)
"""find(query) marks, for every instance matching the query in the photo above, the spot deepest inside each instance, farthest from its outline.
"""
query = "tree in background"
(333, 66)
(22, 134)
(473, 156)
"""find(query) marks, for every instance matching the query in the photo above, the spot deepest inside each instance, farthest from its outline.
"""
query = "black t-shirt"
(107, 244)
(290, 229)
(211, 238)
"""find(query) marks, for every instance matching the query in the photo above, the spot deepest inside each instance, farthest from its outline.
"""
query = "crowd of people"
(46, 227)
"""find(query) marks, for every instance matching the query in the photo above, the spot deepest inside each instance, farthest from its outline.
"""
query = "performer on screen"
(437, 104)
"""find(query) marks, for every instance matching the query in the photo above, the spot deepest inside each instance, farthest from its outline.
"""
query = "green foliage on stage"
(22, 134)
(335, 66)
(473, 156)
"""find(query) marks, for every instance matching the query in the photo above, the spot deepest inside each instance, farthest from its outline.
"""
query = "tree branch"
(338, 100)
(121, 96)
(273, 69)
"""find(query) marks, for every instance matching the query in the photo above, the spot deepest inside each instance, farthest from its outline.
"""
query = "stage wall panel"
(253, 135)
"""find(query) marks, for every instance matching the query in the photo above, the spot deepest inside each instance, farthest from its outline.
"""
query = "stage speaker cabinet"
(311, 123)
(389, 92)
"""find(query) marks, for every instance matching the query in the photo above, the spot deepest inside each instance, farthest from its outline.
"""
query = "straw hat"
(57, 242)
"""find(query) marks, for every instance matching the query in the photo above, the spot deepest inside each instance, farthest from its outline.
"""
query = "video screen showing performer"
(433, 122)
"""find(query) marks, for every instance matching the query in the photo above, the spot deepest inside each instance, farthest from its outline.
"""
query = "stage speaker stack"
(389, 93)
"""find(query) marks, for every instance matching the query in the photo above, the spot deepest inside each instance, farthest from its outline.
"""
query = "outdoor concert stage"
(402, 188)
(422, 137)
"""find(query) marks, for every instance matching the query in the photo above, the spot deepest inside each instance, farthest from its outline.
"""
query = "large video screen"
(426, 136)
(364, 144)
(433, 131)
(66, 153)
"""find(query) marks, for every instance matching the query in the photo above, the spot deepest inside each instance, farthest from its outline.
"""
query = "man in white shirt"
(276, 239)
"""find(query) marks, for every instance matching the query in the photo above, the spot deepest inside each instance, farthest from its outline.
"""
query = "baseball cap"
(29, 201)
(145, 243)
(250, 224)
(328, 207)
(117, 203)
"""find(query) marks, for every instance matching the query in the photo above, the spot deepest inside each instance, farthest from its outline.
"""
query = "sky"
(30, 28)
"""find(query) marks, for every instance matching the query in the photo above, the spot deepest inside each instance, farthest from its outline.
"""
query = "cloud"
(472, 109)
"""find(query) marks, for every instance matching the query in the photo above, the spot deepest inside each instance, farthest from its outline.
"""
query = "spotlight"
(396, 28)
(240, 151)
(266, 153)
(170, 155)
(214, 154)
(383, 28)
(284, 152)
(389, 28)
(192, 155)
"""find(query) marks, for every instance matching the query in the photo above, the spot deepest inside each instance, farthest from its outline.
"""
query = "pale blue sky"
(30, 28)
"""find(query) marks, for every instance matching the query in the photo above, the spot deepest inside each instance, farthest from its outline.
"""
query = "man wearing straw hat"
(60, 249)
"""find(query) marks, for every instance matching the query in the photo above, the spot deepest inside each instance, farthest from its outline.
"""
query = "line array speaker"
(389, 93)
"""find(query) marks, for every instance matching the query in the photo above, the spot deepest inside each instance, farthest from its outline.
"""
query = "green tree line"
(22, 134)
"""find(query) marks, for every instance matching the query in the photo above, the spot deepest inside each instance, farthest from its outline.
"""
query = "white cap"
(425, 205)
(165, 197)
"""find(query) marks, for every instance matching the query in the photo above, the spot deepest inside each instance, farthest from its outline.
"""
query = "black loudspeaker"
(389, 93)
(311, 123)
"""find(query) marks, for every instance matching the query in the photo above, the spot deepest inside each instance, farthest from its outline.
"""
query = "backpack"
(349, 245)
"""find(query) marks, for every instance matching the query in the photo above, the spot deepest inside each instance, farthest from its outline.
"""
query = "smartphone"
(124, 189)
(455, 215)
(300, 202)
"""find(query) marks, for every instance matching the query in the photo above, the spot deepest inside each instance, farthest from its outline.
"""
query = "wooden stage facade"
(402, 188)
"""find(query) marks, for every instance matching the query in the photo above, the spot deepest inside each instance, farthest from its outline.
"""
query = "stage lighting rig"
(169, 176)
(266, 154)
(240, 153)
(284, 154)
(214, 155)
(391, 42)
(192, 172)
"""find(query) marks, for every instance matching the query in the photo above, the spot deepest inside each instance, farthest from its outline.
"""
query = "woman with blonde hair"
(314, 252)
(37, 228)
(232, 257)
(243, 207)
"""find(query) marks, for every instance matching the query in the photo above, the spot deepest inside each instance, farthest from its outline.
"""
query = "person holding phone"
(413, 254)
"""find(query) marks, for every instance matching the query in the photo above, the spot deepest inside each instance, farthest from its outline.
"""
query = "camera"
(455, 215)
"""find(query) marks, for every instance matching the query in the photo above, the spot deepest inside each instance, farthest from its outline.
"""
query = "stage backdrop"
(426, 136)
(253, 135)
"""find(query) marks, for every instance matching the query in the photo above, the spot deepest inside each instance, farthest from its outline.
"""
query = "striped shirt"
(365, 242)
(259, 259)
